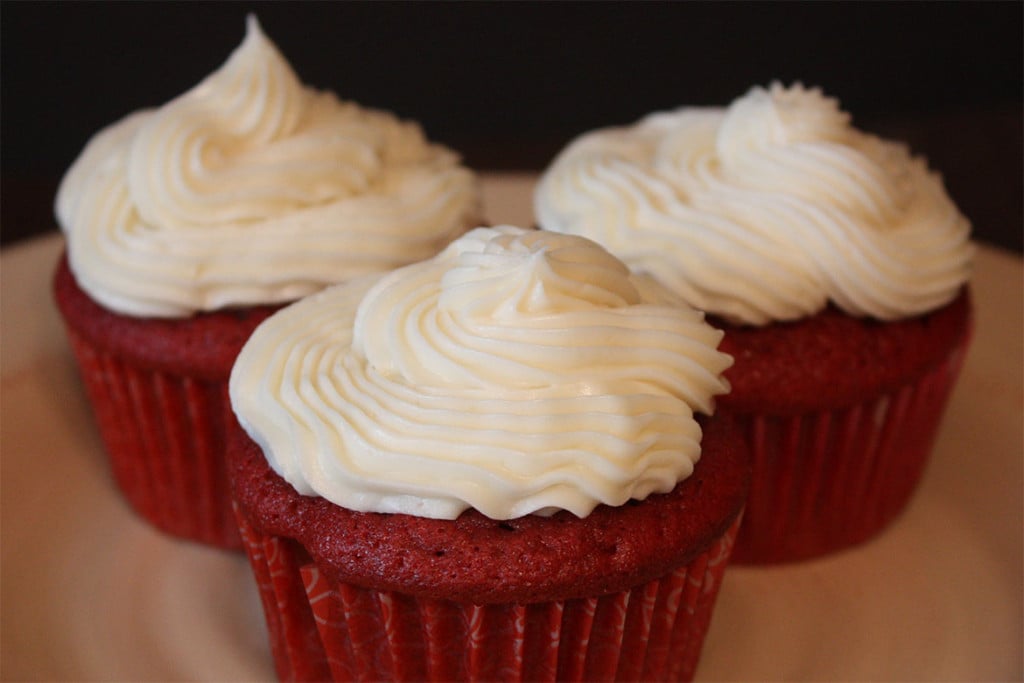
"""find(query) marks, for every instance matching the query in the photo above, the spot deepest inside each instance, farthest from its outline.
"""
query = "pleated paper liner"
(830, 480)
(322, 630)
(164, 436)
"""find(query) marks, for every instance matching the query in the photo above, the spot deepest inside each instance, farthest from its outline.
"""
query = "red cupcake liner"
(826, 481)
(164, 436)
(324, 630)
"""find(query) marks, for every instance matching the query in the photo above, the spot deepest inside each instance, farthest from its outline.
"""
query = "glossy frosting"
(517, 372)
(252, 188)
(766, 210)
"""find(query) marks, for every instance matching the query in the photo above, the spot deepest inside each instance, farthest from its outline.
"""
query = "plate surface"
(91, 593)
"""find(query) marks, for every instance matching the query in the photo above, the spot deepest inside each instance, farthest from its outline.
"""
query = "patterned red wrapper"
(323, 630)
(830, 480)
(164, 434)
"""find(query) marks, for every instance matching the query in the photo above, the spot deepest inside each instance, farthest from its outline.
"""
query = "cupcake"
(837, 266)
(186, 225)
(487, 466)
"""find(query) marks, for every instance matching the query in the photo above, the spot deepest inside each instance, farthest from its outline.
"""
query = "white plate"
(91, 593)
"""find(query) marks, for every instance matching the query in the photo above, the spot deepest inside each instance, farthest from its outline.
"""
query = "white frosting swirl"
(517, 372)
(251, 188)
(766, 210)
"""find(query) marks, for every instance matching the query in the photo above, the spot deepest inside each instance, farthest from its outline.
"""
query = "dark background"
(508, 83)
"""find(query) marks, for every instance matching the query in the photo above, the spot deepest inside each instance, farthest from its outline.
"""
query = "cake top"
(478, 560)
(766, 210)
(252, 188)
(517, 372)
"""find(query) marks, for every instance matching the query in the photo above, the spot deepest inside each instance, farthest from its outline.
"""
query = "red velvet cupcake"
(838, 453)
(487, 466)
(836, 264)
(158, 389)
(187, 224)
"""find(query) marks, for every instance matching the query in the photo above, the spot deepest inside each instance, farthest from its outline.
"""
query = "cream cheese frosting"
(517, 372)
(252, 188)
(765, 210)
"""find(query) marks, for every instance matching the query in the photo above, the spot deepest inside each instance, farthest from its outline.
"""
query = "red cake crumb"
(203, 346)
(484, 561)
(832, 359)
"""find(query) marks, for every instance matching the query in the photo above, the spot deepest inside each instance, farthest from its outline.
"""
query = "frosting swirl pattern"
(252, 188)
(766, 210)
(517, 372)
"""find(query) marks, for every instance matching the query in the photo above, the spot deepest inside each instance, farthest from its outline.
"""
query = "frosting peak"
(781, 116)
(516, 372)
(765, 210)
(252, 188)
(515, 275)
(209, 156)
(514, 300)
